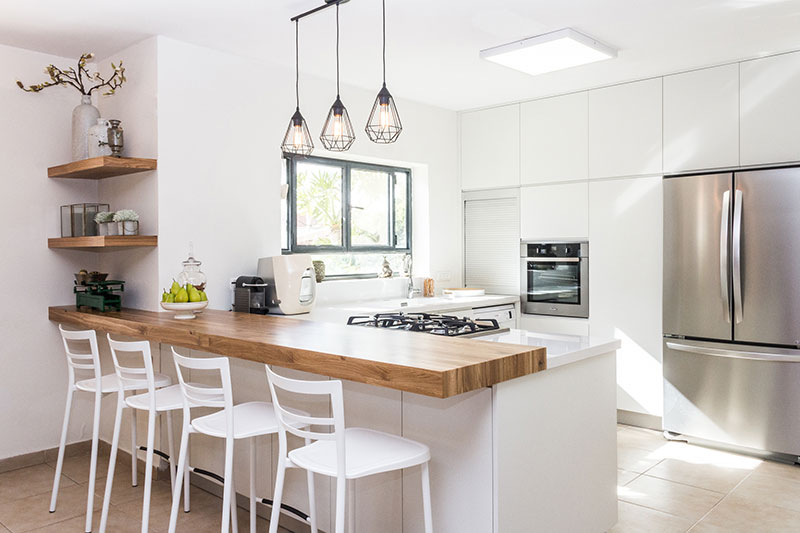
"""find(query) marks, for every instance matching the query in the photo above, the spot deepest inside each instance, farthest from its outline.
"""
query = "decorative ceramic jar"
(98, 139)
(84, 116)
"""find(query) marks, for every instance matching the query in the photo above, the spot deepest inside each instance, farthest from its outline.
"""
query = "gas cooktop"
(446, 325)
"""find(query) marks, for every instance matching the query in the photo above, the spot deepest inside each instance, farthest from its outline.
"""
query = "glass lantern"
(77, 220)
(191, 272)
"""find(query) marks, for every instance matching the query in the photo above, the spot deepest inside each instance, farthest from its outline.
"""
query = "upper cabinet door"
(490, 148)
(701, 119)
(554, 136)
(625, 130)
(770, 109)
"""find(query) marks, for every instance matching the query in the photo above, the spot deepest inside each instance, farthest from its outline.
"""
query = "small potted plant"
(105, 223)
(127, 222)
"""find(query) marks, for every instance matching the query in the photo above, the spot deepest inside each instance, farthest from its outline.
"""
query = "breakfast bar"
(518, 436)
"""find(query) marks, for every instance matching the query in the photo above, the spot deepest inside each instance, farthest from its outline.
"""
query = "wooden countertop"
(413, 362)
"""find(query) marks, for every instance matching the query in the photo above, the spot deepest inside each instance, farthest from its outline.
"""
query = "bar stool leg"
(172, 456)
(112, 460)
(134, 451)
(274, 516)
(186, 480)
(253, 509)
(426, 498)
(226, 491)
(176, 490)
(341, 497)
(148, 473)
(312, 499)
(61, 446)
(234, 507)
(93, 463)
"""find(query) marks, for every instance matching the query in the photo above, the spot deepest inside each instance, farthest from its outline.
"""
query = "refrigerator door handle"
(723, 254)
(736, 354)
(736, 250)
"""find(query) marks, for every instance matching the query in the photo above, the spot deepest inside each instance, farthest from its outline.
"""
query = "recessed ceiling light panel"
(552, 51)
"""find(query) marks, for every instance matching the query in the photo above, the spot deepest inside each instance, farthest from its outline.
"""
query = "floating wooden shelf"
(103, 242)
(98, 168)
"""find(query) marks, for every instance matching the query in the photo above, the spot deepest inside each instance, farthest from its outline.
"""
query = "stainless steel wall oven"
(555, 278)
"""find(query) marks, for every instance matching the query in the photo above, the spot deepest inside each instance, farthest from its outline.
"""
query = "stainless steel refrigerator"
(732, 308)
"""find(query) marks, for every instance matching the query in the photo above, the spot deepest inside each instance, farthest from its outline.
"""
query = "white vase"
(98, 139)
(128, 227)
(102, 228)
(84, 116)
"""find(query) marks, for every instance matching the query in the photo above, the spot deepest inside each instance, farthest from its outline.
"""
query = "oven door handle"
(554, 259)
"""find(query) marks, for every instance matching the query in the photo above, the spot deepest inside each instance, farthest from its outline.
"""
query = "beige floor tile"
(29, 481)
(647, 439)
(740, 514)
(205, 525)
(636, 519)
(117, 523)
(782, 470)
(706, 476)
(625, 476)
(205, 506)
(34, 511)
(124, 492)
(669, 497)
(636, 459)
(766, 489)
(76, 467)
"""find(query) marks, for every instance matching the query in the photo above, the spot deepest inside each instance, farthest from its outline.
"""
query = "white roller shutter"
(491, 244)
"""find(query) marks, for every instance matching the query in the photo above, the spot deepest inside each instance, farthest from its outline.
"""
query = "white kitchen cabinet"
(625, 279)
(491, 244)
(554, 136)
(770, 109)
(559, 211)
(701, 119)
(490, 148)
(625, 133)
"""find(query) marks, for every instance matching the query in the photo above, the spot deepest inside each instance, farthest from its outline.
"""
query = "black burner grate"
(447, 325)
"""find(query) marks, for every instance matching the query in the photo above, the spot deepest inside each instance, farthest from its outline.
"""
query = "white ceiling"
(433, 45)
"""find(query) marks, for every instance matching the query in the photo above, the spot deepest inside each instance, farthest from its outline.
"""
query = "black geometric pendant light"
(297, 139)
(384, 125)
(337, 134)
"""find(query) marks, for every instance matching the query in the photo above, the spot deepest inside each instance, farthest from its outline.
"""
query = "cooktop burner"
(447, 325)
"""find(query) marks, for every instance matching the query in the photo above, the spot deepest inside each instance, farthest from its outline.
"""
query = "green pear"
(203, 297)
(175, 287)
(170, 298)
(182, 296)
(164, 296)
(194, 295)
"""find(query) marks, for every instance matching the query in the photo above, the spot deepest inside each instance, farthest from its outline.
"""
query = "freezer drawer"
(733, 394)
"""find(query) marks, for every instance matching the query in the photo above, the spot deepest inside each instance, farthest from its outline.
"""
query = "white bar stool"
(246, 420)
(346, 454)
(88, 362)
(157, 400)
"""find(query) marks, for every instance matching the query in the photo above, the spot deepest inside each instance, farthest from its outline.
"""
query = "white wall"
(35, 134)
(220, 163)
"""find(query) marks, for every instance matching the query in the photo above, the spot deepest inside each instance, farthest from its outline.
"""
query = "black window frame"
(347, 247)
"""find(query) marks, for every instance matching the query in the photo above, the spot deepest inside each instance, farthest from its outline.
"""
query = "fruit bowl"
(184, 311)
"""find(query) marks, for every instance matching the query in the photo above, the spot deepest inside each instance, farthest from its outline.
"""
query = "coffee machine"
(250, 295)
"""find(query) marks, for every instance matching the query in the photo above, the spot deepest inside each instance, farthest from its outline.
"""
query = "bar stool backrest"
(81, 360)
(133, 375)
(295, 423)
(198, 395)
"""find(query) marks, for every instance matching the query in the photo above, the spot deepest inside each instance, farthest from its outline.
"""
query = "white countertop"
(439, 304)
(561, 349)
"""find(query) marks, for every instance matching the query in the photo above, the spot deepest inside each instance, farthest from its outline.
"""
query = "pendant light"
(337, 134)
(297, 139)
(383, 125)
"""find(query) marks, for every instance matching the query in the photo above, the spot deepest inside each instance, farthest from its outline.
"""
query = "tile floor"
(662, 486)
(673, 486)
(25, 501)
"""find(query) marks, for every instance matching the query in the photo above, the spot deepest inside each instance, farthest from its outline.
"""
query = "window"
(349, 215)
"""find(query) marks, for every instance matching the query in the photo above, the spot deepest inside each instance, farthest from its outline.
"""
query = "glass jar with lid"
(191, 272)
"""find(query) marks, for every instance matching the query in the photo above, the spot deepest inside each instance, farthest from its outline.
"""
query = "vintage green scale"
(100, 295)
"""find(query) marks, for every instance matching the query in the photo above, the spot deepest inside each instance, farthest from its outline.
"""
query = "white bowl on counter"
(186, 310)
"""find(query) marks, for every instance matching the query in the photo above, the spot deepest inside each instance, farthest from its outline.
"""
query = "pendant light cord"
(297, 62)
(337, 49)
(384, 43)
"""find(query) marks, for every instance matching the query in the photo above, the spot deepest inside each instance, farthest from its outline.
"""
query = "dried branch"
(80, 78)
